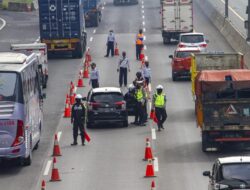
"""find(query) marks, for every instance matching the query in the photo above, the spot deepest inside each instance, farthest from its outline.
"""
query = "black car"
(106, 105)
(230, 173)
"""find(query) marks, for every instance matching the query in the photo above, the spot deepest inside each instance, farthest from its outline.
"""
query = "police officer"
(78, 119)
(159, 104)
(130, 100)
(123, 69)
(110, 43)
(140, 97)
(139, 79)
(94, 76)
(139, 43)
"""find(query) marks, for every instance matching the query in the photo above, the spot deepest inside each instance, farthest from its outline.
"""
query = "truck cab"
(181, 61)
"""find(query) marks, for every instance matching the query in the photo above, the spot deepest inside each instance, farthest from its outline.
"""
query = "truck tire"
(204, 142)
(78, 53)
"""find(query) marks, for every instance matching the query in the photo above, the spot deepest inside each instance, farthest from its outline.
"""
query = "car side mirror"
(207, 173)
(207, 41)
(84, 99)
(171, 56)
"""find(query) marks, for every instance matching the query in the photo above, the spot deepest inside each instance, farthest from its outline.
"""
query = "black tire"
(204, 142)
(125, 123)
(78, 53)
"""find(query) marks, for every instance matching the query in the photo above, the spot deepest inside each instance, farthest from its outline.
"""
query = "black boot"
(74, 144)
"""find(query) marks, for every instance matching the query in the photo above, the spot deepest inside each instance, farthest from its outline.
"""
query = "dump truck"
(223, 107)
(92, 12)
(62, 27)
(177, 18)
(214, 61)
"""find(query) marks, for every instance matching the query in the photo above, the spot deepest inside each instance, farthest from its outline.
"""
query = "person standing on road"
(140, 97)
(78, 119)
(94, 76)
(146, 73)
(139, 43)
(110, 43)
(123, 69)
(159, 105)
(139, 79)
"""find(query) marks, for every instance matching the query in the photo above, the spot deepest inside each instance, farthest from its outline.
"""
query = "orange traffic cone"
(67, 111)
(148, 151)
(72, 87)
(88, 56)
(86, 72)
(153, 185)
(150, 169)
(116, 49)
(43, 185)
(155, 119)
(55, 172)
(80, 81)
(142, 55)
(152, 114)
(56, 149)
(142, 63)
(67, 99)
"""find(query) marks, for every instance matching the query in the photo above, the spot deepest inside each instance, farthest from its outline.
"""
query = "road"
(113, 158)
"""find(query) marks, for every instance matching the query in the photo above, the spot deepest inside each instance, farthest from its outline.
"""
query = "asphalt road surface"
(113, 158)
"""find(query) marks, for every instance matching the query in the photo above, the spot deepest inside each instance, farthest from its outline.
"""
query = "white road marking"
(146, 58)
(143, 16)
(102, 7)
(38, 39)
(142, 11)
(156, 164)
(104, 3)
(142, 2)
(144, 29)
(94, 31)
(149, 87)
(142, 6)
(47, 168)
(144, 37)
(59, 134)
(145, 47)
(153, 134)
(150, 105)
(91, 39)
(4, 23)
(143, 23)
(233, 11)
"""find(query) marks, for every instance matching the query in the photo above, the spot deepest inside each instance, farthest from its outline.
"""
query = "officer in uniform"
(78, 119)
(140, 97)
(94, 76)
(159, 104)
(110, 43)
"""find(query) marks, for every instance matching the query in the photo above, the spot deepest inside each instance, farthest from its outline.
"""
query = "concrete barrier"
(231, 34)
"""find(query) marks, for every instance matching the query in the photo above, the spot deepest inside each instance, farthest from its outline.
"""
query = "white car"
(193, 40)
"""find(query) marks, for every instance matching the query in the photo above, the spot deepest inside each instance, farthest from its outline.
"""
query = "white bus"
(21, 106)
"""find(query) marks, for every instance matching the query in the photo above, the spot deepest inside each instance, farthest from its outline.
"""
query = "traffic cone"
(67, 111)
(56, 149)
(153, 185)
(150, 169)
(116, 49)
(72, 98)
(87, 137)
(80, 81)
(72, 87)
(67, 99)
(142, 63)
(148, 151)
(88, 56)
(86, 72)
(155, 119)
(55, 172)
(141, 55)
(43, 185)
(152, 114)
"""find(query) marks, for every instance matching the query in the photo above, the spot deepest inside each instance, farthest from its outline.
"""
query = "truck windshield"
(192, 38)
(236, 171)
(9, 87)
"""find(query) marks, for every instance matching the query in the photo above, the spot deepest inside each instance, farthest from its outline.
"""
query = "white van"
(21, 106)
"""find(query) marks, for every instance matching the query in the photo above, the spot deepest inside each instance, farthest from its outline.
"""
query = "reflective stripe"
(139, 95)
(159, 100)
(139, 39)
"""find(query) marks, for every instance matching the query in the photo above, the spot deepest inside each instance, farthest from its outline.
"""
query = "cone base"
(55, 180)
(150, 176)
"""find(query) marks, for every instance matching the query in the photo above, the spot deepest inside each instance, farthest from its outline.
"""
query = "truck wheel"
(204, 142)
(78, 53)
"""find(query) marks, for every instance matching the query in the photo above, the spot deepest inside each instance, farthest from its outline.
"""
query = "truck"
(92, 12)
(214, 61)
(125, 2)
(40, 50)
(177, 18)
(181, 61)
(62, 27)
(223, 107)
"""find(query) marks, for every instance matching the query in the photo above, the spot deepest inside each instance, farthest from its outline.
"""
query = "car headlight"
(219, 186)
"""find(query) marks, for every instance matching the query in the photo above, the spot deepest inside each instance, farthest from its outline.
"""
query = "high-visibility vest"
(159, 100)
(139, 95)
(139, 39)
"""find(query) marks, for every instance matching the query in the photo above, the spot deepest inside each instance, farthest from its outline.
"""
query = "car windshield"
(192, 38)
(183, 54)
(236, 171)
(8, 85)
(107, 97)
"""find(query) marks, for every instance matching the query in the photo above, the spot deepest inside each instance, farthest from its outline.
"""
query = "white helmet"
(78, 96)
(159, 87)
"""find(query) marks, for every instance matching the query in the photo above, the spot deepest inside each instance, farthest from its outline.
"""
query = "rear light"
(203, 45)
(19, 134)
(181, 45)
(93, 105)
(15, 150)
(121, 105)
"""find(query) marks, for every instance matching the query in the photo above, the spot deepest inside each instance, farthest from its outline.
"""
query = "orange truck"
(223, 107)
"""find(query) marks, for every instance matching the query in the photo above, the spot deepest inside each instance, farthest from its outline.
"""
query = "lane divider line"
(38, 39)
(145, 47)
(47, 168)
(102, 7)
(146, 58)
(156, 164)
(94, 31)
(242, 19)
(145, 38)
(4, 23)
(59, 134)
(144, 29)
(143, 16)
(142, 6)
(153, 135)
(91, 39)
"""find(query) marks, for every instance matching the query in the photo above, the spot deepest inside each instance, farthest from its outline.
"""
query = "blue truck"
(92, 12)
(62, 27)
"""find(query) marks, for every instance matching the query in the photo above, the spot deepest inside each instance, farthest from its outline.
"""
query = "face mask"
(159, 91)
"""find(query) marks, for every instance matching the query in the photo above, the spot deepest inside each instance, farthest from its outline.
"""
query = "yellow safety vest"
(159, 100)
(139, 39)
(139, 95)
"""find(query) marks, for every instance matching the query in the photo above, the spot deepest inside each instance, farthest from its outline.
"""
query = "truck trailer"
(62, 27)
